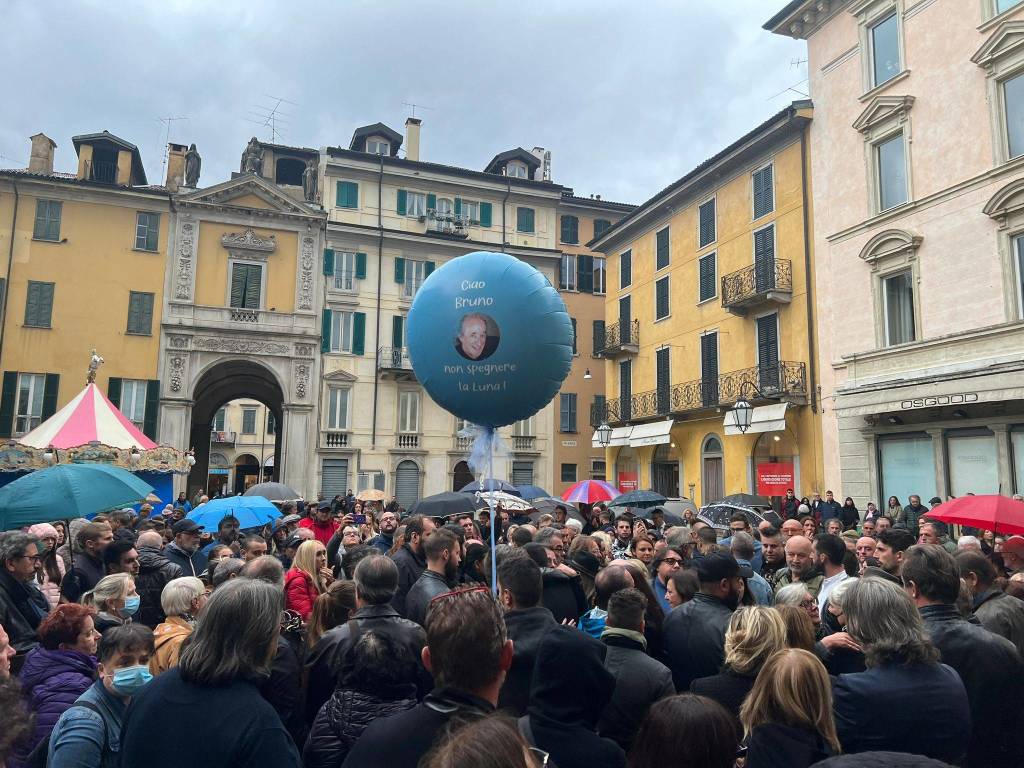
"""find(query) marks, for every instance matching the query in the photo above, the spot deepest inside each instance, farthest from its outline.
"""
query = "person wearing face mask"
(115, 601)
(89, 732)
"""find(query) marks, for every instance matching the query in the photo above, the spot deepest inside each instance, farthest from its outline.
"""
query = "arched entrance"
(712, 486)
(665, 471)
(247, 471)
(777, 448)
(461, 476)
(407, 483)
(225, 381)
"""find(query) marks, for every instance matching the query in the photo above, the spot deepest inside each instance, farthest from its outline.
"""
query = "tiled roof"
(71, 178)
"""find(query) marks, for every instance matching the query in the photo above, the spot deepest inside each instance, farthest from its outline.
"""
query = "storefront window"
(1017, 442)
(907, 466)
(973, 464)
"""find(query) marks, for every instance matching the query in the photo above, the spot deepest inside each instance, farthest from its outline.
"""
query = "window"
(219, 419)
(1013, 100)
(47, 225)
(597, 469)
(140, 313)
(906, 465)
(341, 331)
(661, 307)
(517, 171)
(764, 195)
(337, 407)
(271, 423)
(378, 147)
(599, 339)
(567, 275)
(885, 50)
(415, 273)
(38, 304)
(598, 411)
(246, 285)
(625, 269)
(133, 401)
(662, 379)
(570, 229)
(708, 277)
(248, 421)
(892, 172)
(1018, 259)
(31, 388)
(416, 204)
(706, 217)
(568, 473)
(898, 295)
(443, 206)
(523, 428)
(661, 257)
(289, 170)
(344, 271)
(601, 226)
(409, 412)
(599, 274)
(525, 220)
(567, 411)
(468, 209)
(347, 195)
(147, 231)
(1004, 5)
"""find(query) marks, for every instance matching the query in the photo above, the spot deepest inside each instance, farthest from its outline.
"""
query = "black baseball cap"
(718, 566)
(323, 505)
(186, 526)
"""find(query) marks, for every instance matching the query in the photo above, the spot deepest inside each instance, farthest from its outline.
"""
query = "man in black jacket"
(997, 611)
(22, 605)
(694, 634)
(442, 554)
(468, 653)
(376, 579)
(88, 568)
(989, 665)
(409, 559)
(155, 571)
(527, 621)
(184, 551)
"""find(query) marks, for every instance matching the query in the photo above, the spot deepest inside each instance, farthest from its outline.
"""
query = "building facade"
(917, 153)
(709, 300)
(243, 439)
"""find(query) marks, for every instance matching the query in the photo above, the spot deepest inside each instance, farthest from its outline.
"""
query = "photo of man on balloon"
(478, 336)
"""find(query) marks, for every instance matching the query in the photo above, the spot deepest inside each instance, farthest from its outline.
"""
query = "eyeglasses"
(33, 558)
(457, 592)
(809, 603)
(540, 756)
(673, 561)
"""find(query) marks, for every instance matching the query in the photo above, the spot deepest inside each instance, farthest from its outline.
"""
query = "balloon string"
(490, 504)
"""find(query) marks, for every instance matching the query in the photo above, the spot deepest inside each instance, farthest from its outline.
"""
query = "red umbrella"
(990, 513)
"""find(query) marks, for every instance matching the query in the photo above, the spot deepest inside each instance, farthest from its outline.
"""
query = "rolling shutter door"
(407, 483)
(334, 478)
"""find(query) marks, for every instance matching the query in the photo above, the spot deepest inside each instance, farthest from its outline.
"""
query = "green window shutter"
(485, 214)
(428, 268)
(574, 351)
(524, 220)
(114, 391)
(351, 194)
(153, 235)
(399, 270)
(458, 206)
(431, 202)
(252, 286)
(53, 224)
(147, 313)
(39, 230)
(339, 195)
(401, 202)
(32, 304)
(599, 339)
(237, 285)
(152, 408)
(328, 262)
(50, 388)
(358, 333)
(360, 266)
(325, 331)
(7, 398)
(397, 331)
(585, 273)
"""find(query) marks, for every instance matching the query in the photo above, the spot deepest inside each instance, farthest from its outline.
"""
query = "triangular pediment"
(882, 109)
(339, 376)
(249, 191)
(1007, 38)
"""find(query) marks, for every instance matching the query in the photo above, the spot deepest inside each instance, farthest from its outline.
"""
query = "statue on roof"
(193, 163)
(309, 182)
(94, 365)
(252, 158)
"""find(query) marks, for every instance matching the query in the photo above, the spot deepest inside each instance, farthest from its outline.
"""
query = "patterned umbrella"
(590, 492)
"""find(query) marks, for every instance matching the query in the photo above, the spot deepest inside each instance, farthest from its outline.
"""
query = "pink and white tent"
(89, 417)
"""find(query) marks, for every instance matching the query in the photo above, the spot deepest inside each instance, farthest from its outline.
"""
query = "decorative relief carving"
(177, 342)
(183, 286)
(249, 241)
(177, 373)
(240, 346)
(306, 264)
(301, 380)
(304, 350)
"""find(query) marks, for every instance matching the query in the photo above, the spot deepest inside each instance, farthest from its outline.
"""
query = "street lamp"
(604, 435)
(586, 374)
(743, 411)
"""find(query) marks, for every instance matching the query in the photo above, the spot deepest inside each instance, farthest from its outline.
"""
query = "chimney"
(543, 173)
(175, 166)
(412, 138)
(40, 160)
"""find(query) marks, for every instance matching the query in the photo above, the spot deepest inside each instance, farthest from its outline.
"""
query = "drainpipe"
(10, 262)
(812, 382)
(504, 203)
(380, 273)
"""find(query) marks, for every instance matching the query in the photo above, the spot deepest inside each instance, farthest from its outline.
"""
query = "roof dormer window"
(378, 146)
(517, 171)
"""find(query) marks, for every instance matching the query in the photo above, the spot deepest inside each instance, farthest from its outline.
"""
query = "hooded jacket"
(526, 628)
(773, 745)
(190, 565)
(570, 690)
(155, 570)
(167, 640)
(639, 682)
(563, 595)
(51, 681)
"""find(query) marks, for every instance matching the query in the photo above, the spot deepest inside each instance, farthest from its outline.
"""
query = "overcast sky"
(628, 96)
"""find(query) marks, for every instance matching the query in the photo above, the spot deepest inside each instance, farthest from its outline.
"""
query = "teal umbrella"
(67, 491)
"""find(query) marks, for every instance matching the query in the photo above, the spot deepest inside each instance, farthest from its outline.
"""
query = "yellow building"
(708, 302)
(83, 267)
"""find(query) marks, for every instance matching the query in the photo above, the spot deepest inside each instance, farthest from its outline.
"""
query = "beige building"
(242, 440)
(917, 155)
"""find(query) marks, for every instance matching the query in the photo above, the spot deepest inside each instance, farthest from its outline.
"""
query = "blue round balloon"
(489, 338)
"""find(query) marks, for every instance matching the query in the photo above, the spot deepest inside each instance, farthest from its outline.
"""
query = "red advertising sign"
(774, 479)
(627, 481)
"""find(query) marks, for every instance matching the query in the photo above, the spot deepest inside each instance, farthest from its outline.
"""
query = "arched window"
(712, 470)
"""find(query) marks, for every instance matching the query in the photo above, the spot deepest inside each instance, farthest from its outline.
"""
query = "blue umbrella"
(250, 511)
(67, 491)
(530, 492)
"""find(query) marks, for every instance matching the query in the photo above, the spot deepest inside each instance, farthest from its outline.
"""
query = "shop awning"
(651, 434)
(766, 418)
(620, 436)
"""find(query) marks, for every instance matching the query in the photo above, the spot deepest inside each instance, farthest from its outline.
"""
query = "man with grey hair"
(376, 579)
(22, 605)
(265, 568)
(552, 539)
(968, 544)
(155, 573)
(742, 548)
(227, 569)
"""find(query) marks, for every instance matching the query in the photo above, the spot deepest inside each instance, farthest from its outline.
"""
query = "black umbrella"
(639, 499)
(717, 515)
(490, 485)
(443, 504)
(274, 492)
(547, 507)
(670, 517)
(745, 500)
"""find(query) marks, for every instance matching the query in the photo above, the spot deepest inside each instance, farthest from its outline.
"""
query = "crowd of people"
(344, 635)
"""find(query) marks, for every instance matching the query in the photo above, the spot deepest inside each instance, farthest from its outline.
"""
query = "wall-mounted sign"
(568, 443)
(933, 401)
(627, 482)
(774, 478)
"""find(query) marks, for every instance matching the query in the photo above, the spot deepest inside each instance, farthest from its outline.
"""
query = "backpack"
(39, 756)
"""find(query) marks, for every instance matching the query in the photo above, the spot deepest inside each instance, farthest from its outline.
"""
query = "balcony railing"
(767, 282)
(787, 380)
(443, 223)
(104, 171)
(619, 338)
(220, 437)
(463, 443)
(336, 439)
(408, 441)
(524, 443)
(394, 362)
(242, 315)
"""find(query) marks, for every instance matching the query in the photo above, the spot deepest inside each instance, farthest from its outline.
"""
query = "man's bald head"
(150, 539)
(791, 528)
(609, 581)
(799, 556)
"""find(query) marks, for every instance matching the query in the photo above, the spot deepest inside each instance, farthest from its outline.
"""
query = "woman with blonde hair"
(787, 718)
(799, 627)
(115, 600)
(754, 633)
(308, 578)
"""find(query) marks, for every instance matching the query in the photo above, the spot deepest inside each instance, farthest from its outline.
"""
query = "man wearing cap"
(290, 522)
(1013, 555)
(322, 524)
(694, 633)
(184, 550)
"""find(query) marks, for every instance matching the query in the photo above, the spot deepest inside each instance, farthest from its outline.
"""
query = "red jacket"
(299, 593)
(322, 532)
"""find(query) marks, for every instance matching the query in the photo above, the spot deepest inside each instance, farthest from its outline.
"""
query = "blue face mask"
(131, 605)
(128, 680)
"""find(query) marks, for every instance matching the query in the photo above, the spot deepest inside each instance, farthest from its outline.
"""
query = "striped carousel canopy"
(89, 417)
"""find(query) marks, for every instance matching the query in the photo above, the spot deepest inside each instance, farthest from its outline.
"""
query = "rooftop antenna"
(167, 121)
(794, 63)
(414, 106)
(271, 115)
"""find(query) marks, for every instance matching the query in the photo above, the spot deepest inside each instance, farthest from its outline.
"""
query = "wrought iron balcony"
(243, 315)
(394, 362)
(621, 339)
(443, 223)
(768, 282)
(784, 381)
(104, 171)
(221, 437)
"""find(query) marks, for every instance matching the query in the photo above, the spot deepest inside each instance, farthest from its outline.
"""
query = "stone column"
(941, 466)
(175, 418)
(1003, 457)
(298, 465)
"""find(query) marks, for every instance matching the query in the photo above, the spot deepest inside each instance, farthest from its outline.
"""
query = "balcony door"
(663, 381)
(709, 369)
(625, 319)
(625, 389)
(768, 353)
(764, 259)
